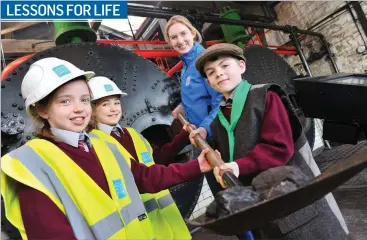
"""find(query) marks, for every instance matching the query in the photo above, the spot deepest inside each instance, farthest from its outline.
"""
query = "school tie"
(83, 144)
(116, 131)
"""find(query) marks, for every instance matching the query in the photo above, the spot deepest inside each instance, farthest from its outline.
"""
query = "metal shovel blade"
(269, 210)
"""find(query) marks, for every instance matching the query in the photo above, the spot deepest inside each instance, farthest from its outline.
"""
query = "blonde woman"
(199, 101)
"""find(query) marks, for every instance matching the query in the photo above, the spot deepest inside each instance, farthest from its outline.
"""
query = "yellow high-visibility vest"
(92, 214)
(164, 215)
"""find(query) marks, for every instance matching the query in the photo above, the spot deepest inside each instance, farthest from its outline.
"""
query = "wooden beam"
(16, 48)
(18, 26)
(95, 25)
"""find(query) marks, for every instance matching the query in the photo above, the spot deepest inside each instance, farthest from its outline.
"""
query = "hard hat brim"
(122, 94)
(88, 74)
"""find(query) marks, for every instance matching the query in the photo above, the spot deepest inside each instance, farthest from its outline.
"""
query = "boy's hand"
(177, 110)
(218, 171)
(203, 163)
(202, 131)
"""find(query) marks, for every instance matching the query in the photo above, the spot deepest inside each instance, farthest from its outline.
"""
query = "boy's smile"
(224, 74)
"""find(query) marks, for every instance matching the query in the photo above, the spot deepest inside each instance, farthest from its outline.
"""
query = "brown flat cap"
(217, 50)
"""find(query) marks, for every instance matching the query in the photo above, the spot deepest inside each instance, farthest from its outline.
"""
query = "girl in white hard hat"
(106, 97)
(67, 185)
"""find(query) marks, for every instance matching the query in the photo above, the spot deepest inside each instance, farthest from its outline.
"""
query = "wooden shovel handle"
(228, 177)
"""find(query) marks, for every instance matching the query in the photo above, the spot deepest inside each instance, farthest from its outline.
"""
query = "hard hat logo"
(108, 87)
(61, 70)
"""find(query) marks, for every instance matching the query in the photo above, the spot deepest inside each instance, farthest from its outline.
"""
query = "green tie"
(239, 101)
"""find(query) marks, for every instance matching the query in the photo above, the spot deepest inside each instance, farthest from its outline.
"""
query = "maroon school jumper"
(275, 147)
(160, 155)
(52, 223)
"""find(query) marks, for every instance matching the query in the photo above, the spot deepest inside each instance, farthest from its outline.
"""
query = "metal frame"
(292, 30)
(159, 53)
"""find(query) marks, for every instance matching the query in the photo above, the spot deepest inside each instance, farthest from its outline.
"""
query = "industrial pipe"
(229, 178)
(13, 65)
(176, 68)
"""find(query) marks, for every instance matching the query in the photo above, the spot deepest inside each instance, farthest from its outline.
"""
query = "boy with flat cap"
(256, 129)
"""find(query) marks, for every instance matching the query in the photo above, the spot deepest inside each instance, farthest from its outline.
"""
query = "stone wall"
(341, 32)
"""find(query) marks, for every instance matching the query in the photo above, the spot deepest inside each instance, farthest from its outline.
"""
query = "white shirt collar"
(69, 137)
(108, 128)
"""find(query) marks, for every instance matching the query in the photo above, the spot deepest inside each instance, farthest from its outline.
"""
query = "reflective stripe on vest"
(136, 207)
(168, 210)
(103, 229)
(163, 202)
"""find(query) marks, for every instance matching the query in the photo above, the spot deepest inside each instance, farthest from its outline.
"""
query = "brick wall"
(341, 33)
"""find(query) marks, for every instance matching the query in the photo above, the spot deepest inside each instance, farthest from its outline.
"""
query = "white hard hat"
(46, 75)
(103, 87)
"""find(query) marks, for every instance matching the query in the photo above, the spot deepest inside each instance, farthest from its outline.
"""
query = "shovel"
(265, 211)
